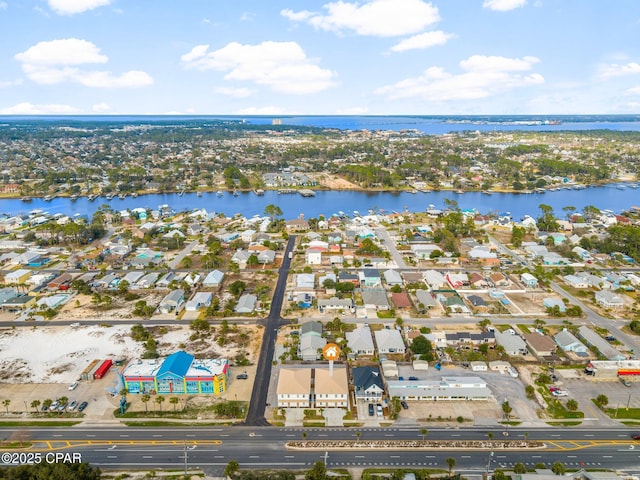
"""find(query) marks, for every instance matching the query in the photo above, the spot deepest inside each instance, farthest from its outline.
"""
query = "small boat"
(73, 198)
(91, 198)
(487, 192)
(259, 192)
(26, 199)
(181, 193)
(220, 193)
(48, 198)
(134, 194)
(110, 196)
(122, 196)
(235, 193)
(199, 194)
(621, 187)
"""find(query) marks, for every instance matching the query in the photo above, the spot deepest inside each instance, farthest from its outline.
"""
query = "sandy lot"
(60, 354)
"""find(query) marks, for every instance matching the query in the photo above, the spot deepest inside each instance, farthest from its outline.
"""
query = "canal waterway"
(333, 202)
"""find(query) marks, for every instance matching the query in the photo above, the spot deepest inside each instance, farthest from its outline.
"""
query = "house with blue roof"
(179, 373)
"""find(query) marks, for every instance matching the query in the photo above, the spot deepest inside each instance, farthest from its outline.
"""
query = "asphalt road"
(212, 448)
(255, 415)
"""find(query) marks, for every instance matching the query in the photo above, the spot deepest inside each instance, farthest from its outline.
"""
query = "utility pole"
(185, 457)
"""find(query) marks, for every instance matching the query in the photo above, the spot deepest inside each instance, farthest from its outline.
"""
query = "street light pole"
(185, 457)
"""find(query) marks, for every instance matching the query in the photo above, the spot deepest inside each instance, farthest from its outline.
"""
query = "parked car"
(82, 406)
(54, 405)
(379, 410)
(44, 408)
(404, 404)
(62, 407)
(72, 405)
(242, 376)
(413, 379)
(73, 386)
(553, 389)
(371, 410)
(625, 382)
(560, 393)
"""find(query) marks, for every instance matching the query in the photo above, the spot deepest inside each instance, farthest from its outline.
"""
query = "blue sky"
(280, 57)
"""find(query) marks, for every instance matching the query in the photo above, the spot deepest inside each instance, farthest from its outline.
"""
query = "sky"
(307, 57)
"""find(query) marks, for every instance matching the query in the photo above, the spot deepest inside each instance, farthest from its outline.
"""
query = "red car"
(553, 389)
(636, 436)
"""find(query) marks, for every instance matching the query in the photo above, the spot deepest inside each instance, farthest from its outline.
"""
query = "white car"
(73, 386)
(560, 393)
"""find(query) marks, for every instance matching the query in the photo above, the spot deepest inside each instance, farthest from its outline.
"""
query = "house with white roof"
(198, 301)
(575, 281)
(389, 341)
(246, 303)
(608, 299)
(392, 277)
(213, 279)
(360, 342)
(568, 342)
(434, 279)
(305, 281)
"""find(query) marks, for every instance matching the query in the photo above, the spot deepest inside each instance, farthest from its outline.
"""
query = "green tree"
(530, 391)
(558, 468)
(506, 409)
(451, 463)
(232, 468)
(237, 287)
(421, 346)
(253, 261)
(53, 471)
(602, 400)
(159, 400)
(317, 472)
(424, 432)
(547, 222)
(519, 467)
(174, 401)
(35, 404)
(272, 211)
(572, 405)
(145, 399)
(6, 402)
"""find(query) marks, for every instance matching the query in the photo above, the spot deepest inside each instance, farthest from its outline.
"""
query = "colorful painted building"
(179, 373)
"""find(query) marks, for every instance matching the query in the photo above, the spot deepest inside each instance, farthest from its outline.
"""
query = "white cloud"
(378, 18)
(68, 51)
(101, 107)
(71, 7)
(10, 83)
(3, 5)
(58, 61)
(617, 70)
(234, 92)
(281, 66)
(634, 90)
(482, 77)
(503, 5)
(270, 110)
(247, 16)
(26, 108)
(423, 40)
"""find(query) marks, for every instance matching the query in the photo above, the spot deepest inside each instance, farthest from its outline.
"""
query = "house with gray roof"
(367, 382)
(594, 340)
(568, 342)
(246, 303)
(360, 342)
(389, 341)
(213, 279)
(392, 277)
(173, 301)
(608, 299)
(513, 345)
(375, 298)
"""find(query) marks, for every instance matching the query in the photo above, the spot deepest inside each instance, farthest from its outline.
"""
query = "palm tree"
(304, 435)
(47, 403)
(159, 400)
(144, 399)
(451, 462)
(174, 401)
(6, 403)
(63, 401)
(35, 404)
